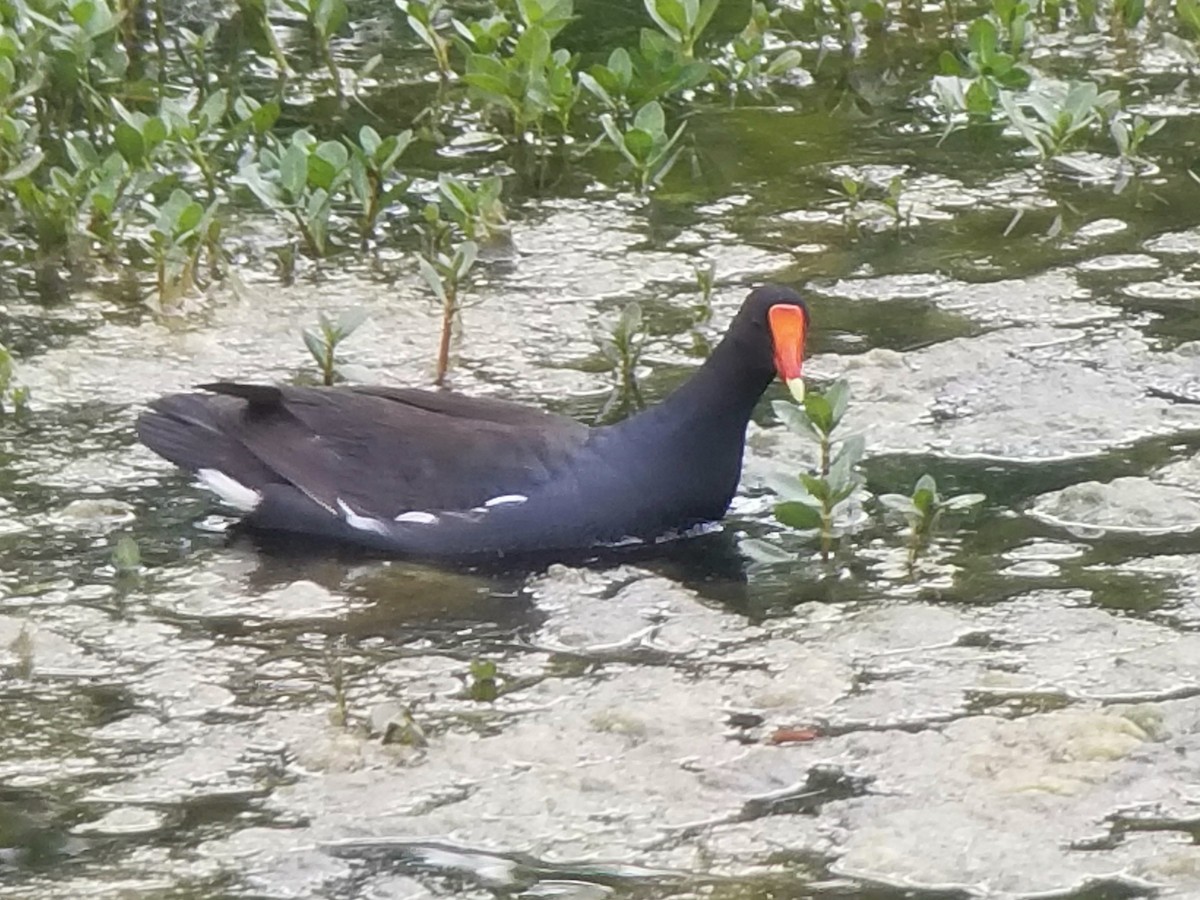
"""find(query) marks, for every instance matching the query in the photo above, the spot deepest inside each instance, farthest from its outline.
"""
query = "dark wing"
(382, 451)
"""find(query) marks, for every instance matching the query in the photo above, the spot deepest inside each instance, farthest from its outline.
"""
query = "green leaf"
(669, 16)
(818, 487)
(293, 170)
(640, 145)
(25, 167)
(263, 118)
(214, 108)
(963, 501)
(189, 217)
(432, 278)
(948, 64)
(593, 85)
(334, 153)
(351, 320)
(796, 420)
(798, 515)
(615, 137)
(763, 552)
(787, 486)
(651, 119)
(784, 62)
(464, 258)
(851, 451)
(369, 140)
(264, 190)
(316, 346)
(129, 143)
(321, 173)
(819, 412)
(621, 65)
(926, 483)
(838, 397)
(981, 38)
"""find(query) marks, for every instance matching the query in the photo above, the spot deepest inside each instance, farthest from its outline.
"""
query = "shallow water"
(1017, 717)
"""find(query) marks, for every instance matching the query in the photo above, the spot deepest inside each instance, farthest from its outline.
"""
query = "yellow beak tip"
(796, 386)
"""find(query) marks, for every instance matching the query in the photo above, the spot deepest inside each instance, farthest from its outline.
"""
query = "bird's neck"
(719, 398)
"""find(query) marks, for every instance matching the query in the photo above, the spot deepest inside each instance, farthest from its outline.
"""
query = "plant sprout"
(323, 342)
(646, 145)
(923, 509)
(809, 501)
(13, 397)
(621, 346)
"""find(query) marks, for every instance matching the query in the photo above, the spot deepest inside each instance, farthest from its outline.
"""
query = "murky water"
(1018, 717)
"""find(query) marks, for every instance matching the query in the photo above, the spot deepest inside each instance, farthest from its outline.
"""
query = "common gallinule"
(439, 474)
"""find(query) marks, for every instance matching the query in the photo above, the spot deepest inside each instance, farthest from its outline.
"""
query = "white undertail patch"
(230, 490)
(417, 517)
(362, 523)
(505, 500)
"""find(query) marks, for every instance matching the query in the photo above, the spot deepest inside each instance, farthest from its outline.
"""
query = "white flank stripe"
(416, 517)
(506, 500)
(362, 523)
(229, 489)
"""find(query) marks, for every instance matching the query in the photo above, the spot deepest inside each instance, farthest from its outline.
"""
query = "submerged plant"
(923, 509)
(126, 556)
(810, 501)
(323, 342)
(14, 398)
(483, 686)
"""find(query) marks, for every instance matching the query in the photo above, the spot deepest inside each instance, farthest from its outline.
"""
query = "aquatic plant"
(477, 210)
(810, 500)
(621, 342)
(422, 16)
(324, 18)
(126, 556)
(646, 144)
(525, 84)
(923, 509)
(373, 176)
(1061, 113)
(14, 398)
(323, 342)
(682, 21)
(972, 82)
(1129, 134)
(748, 64)
(297, 180)
(482, 685)
(444, 266)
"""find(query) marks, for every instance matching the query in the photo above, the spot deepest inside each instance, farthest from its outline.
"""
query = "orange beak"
(789, 326)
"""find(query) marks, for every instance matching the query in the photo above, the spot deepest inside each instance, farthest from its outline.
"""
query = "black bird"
(425, 473)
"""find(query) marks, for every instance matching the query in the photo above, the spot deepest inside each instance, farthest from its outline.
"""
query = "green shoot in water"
(13, 398)
(323, 342)
(621, 344)
(923, 509)
(810, 501)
